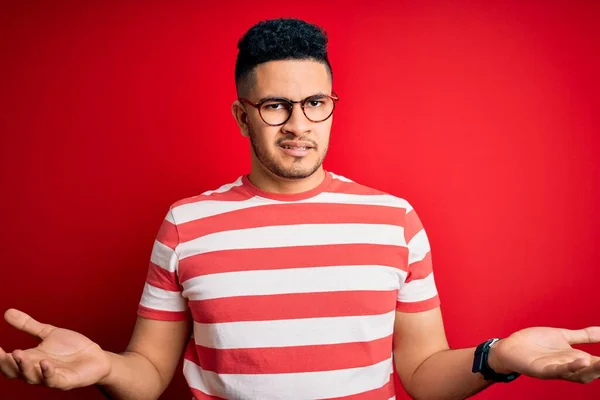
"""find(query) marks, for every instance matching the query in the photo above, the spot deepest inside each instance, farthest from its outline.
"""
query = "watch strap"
(480, 364)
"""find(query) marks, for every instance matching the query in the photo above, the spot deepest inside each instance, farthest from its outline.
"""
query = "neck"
(268, 182)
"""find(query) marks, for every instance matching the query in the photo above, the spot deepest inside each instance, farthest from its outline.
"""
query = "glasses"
(276, 111)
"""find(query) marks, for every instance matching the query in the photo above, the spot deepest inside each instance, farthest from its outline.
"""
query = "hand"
(64, 359)
(546, 353)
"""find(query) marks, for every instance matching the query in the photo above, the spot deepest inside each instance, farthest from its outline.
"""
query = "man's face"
(296, 149)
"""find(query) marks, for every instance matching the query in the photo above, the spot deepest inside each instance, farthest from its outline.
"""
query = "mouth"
(289, 147)
(296, 144)
(296, 148)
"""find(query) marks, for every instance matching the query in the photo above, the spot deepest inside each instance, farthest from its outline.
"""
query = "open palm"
(546, 353)
(64, 359)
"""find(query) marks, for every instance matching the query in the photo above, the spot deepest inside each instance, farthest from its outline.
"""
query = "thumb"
(25, 323)
(582, 336)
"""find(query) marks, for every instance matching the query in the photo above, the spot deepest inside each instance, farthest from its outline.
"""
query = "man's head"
(278, 60)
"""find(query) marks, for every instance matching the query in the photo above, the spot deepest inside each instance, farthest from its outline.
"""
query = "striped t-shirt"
(292, 296)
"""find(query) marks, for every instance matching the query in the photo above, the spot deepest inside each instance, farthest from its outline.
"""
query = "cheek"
(323, 135)
(266, 136)
(270, 135)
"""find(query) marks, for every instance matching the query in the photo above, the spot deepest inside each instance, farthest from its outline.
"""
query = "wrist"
(108, 378)
(495, 363)
(488, 363)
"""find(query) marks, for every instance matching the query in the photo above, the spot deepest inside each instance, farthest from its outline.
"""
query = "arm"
(425, 365)
(146, 368)
(66, 359)
(427, 368)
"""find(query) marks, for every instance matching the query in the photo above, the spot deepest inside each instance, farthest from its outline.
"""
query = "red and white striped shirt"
(292, 296)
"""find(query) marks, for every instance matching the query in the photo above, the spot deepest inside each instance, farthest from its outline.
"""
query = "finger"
(596, 364)
(564, 370)
(580, 336)
(25, 323)
(48, 372)
(577, 365)
(588, 374)
(595, 367)
(51, 377)
(8, 366)
(47, 368)
(27, 367)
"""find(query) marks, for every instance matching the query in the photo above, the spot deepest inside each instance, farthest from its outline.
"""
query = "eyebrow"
(285, 98)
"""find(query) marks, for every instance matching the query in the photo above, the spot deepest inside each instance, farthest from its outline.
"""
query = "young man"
(296, 282)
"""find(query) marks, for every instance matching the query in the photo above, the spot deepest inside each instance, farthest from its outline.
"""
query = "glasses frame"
(333, 96)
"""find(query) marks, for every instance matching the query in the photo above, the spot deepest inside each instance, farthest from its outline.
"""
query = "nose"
(298, 124)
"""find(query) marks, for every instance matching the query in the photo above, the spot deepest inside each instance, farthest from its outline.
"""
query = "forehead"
(294, 79)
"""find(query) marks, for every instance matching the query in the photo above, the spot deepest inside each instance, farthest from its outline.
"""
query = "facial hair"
(272, 166)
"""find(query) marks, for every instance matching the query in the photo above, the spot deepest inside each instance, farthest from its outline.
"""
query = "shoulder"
(209, 201)
(345, 186)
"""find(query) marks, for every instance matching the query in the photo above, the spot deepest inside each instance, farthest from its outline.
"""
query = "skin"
(273, 170)
(428, 369)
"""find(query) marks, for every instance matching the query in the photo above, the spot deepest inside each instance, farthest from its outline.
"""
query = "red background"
(484, 115)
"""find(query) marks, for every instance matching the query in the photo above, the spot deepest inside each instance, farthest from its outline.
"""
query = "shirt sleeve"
(418, 292)
(162, 298)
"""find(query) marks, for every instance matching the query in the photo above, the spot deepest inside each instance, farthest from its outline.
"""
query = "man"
(296, 282)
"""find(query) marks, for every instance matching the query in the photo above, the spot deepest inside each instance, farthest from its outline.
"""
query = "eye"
(275, 106)
(314, 103)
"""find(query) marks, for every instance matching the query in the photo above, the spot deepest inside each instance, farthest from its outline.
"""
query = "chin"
(294, 173)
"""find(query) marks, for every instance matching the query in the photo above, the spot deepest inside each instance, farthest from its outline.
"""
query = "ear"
(241, 117)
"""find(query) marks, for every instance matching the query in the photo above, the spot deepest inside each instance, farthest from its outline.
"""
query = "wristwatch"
(480, 364)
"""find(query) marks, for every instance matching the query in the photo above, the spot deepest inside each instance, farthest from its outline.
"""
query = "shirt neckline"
(249, 186)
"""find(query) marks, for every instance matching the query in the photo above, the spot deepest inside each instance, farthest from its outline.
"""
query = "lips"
(296, 145)
(296, 148)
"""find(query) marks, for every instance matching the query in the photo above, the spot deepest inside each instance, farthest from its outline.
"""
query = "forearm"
(446, 375)
(132, 376)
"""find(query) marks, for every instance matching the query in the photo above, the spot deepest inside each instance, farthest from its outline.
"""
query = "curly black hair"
(278, 39)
